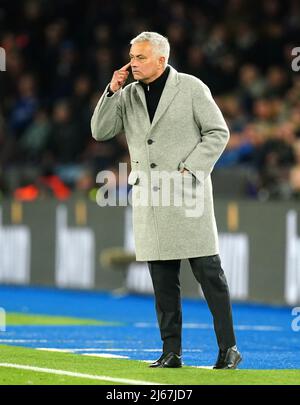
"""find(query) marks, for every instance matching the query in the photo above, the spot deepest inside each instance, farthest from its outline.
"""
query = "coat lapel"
(170, 90)
(142, 97)
(141, 94)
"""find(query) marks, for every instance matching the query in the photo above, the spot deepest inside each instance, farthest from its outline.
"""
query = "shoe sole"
(163, 366)
(235, 365)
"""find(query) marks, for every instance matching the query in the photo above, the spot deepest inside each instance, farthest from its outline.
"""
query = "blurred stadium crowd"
(61, 55)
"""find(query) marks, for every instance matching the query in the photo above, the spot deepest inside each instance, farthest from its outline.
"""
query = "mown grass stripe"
(22, 319)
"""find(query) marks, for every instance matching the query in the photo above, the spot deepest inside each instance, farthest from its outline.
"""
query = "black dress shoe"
(167, 360)
(228, 359)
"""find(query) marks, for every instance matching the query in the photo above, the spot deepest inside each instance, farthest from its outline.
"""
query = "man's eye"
(137, 57)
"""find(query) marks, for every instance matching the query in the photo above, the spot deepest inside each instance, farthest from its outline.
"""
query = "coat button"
(155, 188)
(153, 165)
(149, 141)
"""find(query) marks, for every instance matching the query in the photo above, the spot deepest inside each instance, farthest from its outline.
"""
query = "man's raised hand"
(119, 78)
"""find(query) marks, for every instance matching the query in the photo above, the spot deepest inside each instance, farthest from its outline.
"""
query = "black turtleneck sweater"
(153, 91)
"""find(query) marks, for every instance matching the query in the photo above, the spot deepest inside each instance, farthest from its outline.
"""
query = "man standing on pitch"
(172, 126)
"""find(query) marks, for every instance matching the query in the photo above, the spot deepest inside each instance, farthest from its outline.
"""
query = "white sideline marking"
(112, 349)
(80, 375)
(107, 355)
(205, 367)
(263, 328)
(23, 341)
(47, 341)
(98, 349)
(50, 349)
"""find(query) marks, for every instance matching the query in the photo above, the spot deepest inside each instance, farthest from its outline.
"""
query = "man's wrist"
(109, 92)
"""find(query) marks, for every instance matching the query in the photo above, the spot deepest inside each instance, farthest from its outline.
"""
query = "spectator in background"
(80, 102)
(66, 142)
(102, 66)
(251, 86)
(276, 82)
(25, 106)
(243, 52)
(33, 143)
(275, 160)
(294, 178)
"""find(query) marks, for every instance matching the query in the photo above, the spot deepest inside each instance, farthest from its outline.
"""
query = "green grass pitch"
(26, 366)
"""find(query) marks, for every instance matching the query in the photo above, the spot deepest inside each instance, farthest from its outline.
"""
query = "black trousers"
(208, 272)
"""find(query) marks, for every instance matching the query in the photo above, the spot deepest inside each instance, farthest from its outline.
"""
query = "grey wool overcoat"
(187, 131)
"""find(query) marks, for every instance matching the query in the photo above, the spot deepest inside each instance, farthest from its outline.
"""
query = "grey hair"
(159, 42)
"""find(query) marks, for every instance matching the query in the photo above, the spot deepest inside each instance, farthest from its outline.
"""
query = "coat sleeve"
(107, 119)
(213, 133)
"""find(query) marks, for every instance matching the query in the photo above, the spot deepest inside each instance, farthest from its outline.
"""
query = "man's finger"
(123, 73)
(125, 67)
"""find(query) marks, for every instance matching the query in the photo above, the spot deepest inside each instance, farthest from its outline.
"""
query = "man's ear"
(162, 60)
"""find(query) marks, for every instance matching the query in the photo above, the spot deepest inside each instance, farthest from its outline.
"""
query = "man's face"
(146, 65)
